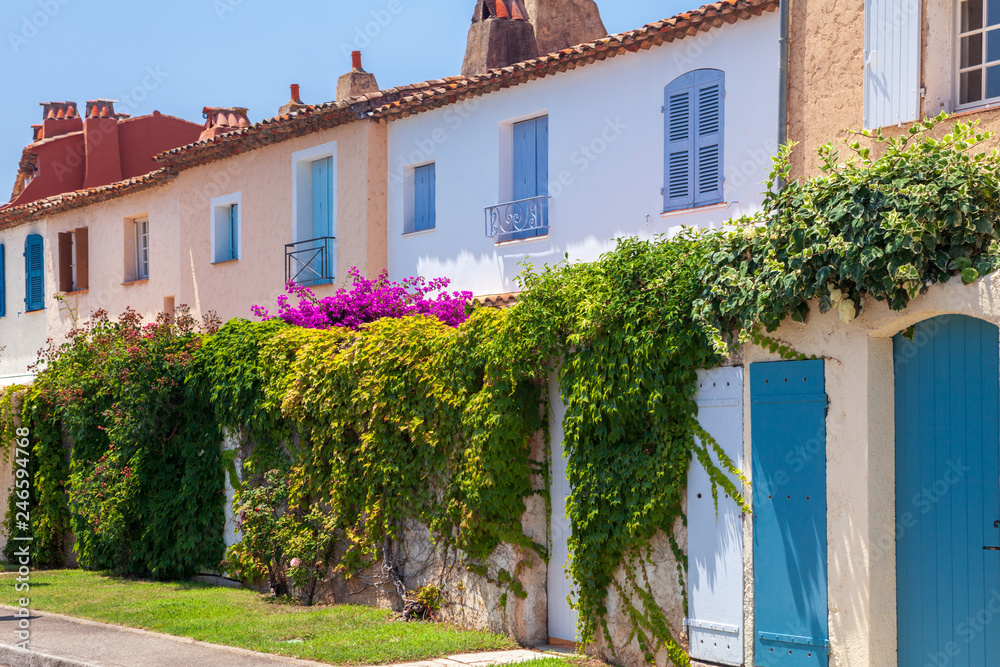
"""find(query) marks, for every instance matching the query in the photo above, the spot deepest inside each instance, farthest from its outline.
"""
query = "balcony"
(312, 262)
(521, 219)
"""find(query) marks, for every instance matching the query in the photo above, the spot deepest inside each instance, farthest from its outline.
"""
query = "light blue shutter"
(322, 197)
(709, 98)
(34, 273)
(788, 432)
(892, 62)
(234, 231)
(322, 209)
(678, 169)
(531, 171)
(424, 208)
(3, 280)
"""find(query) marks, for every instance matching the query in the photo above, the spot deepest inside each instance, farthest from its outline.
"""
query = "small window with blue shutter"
(694, 110)
(424, 196)
(34, 273)
(226, 228)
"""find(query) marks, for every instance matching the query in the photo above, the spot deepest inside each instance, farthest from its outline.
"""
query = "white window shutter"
(892, 62)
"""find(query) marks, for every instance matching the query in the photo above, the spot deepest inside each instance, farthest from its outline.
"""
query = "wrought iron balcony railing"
(518, 219)
(311, 262)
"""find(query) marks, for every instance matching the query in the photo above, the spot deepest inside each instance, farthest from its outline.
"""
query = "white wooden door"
(562, 617)
(715, 543)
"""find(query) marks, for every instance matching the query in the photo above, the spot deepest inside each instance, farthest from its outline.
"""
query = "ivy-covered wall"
(359, 434)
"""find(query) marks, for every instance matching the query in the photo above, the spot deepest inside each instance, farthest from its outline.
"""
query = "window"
(978, 51)
(530, 176)
(695, 112)
(3, 281)
(312, 258)
(226, 228)
(74, 264)
(424, 212)
(142, 249)
(34, 273)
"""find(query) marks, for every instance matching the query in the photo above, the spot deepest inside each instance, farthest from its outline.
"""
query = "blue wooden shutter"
(3, 280)
(892, 62)
(424, 210)
(531, 171)
(234, 231)
(788, 430)
(34, 273)
(322, 197)
(709, 98)
(678, 169)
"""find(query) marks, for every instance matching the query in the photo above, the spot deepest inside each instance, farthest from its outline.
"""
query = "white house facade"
(636, 134)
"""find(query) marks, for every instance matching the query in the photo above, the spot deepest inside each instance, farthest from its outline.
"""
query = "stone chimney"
(501, 35)
(356, 82)
(560, 24)
(294, 104)
(222, 120)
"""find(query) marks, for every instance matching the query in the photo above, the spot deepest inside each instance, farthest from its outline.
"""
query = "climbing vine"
(408, 418)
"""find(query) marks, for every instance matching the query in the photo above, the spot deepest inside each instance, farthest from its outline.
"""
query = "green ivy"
(411, 420)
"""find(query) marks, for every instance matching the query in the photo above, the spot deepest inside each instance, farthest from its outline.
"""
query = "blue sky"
(180, 56)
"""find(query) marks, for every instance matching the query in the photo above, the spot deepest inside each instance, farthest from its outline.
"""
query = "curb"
(19, 657)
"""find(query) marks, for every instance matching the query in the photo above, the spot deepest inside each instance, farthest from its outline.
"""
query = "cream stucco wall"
(826, 75)
(860, 458)
(264, 180)
(180, 238)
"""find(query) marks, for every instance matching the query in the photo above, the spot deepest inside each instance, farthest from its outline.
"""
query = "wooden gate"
(948, 493)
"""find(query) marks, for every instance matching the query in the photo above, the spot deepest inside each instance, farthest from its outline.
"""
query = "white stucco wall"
(22, 334)
(606, 157)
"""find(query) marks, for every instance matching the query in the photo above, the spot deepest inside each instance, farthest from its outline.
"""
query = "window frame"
(694, 81)
(221, 227)
(410, 212)
(141, 264)
(956, 66)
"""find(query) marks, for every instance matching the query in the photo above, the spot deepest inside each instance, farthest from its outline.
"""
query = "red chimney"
(356, 58)
(103, 162)
(295, 93)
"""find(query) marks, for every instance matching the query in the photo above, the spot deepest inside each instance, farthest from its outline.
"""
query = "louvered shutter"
(3, 280)
(708, 126)
(892, 62)
(34, 273)
(678, 189)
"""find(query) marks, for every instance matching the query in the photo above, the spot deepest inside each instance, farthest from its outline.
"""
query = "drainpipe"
(783, 10)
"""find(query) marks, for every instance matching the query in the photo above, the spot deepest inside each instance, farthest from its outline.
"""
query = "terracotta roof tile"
(432, 95)
(505, 300)
(11, 216)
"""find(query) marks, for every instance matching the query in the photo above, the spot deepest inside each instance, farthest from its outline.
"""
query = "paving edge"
(19, 657)
(298, 662)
